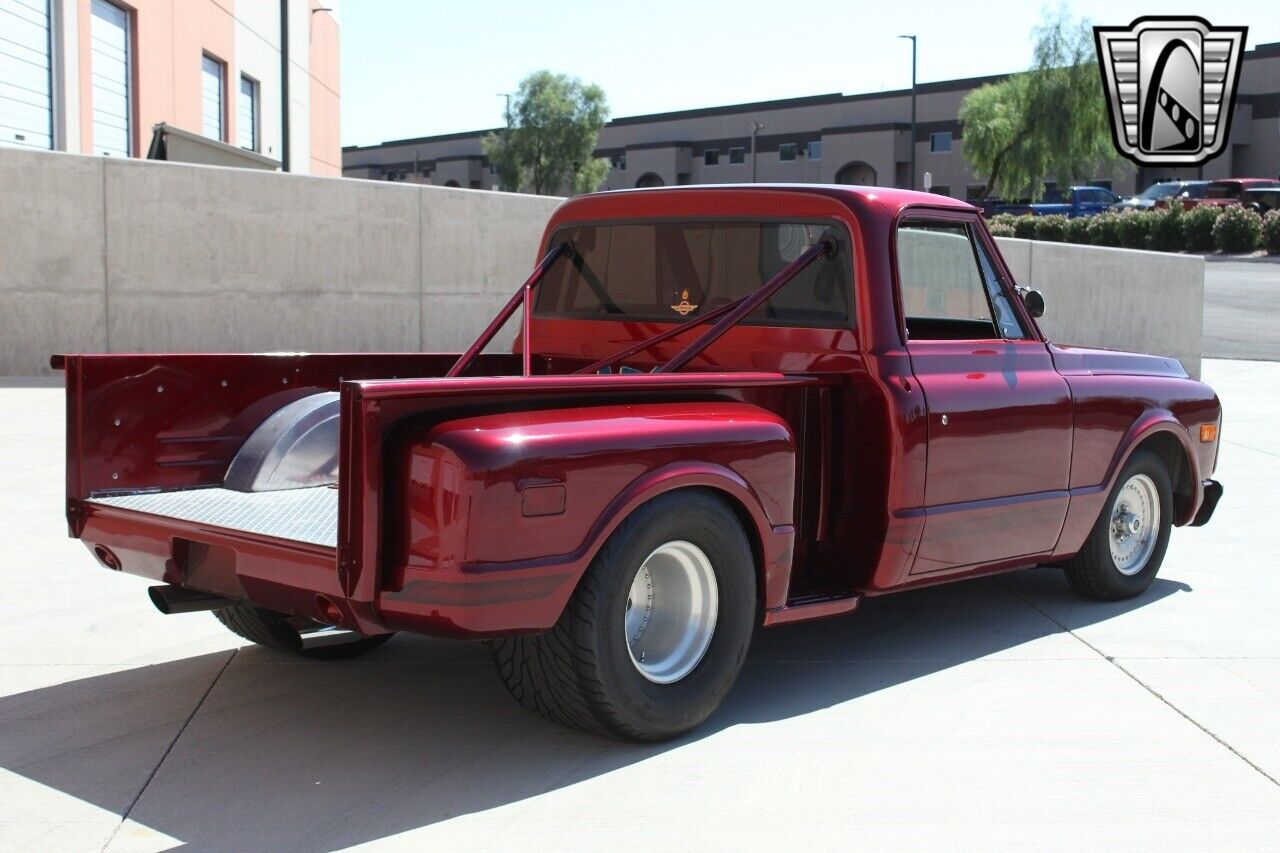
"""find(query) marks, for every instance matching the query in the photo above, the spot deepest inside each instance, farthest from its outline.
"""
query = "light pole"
(913, 109)
(755, 128)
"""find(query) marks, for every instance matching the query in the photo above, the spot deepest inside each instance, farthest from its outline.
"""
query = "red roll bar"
(727, 315)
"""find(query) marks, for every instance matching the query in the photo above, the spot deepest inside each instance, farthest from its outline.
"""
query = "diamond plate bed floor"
(302, 515)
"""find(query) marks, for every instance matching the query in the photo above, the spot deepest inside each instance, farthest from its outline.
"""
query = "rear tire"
(655, 669)
(1128, 541)
(275, 631)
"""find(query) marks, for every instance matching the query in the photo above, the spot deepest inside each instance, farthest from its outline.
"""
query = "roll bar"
(726, 315)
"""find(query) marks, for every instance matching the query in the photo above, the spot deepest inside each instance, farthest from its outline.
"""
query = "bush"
(1051, 229)
(1024, 227)
(1104, 229)
(1135, 229)
(1271, 232)
(1000, 229)
(1077, 230)
(1237, 230)
(1197, 227)
(1166, 229)
(1005, 219)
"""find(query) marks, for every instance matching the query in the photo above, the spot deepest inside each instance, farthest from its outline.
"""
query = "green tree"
(553, 125)
(1049, 122)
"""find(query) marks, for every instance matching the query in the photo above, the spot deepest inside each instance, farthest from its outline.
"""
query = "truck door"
(999, 415)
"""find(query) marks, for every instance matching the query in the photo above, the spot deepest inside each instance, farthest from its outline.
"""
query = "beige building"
(95, 76)
(836, 138)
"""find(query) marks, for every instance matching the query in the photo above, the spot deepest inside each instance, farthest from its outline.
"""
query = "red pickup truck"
(726, 407)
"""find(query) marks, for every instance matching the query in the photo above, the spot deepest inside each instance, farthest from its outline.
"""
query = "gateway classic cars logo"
(1171, 85)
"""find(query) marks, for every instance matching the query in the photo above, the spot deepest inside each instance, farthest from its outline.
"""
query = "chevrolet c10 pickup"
(724, 408)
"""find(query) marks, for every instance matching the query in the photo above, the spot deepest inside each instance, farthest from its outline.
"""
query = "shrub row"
(1233, 229)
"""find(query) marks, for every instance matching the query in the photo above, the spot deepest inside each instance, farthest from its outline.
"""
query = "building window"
(247, 115)
(621, 163)
(111, 58)
(211, 96)
(940, 143)
(26, 99)
(737, 155)
(941, 189)
(973, 192)
(711, 157)
(815, 150)
(788, 151)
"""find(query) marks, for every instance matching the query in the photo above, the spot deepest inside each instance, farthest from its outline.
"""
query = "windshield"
(1156, 192)
(674, 271)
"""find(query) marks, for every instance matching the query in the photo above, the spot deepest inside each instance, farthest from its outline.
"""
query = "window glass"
(672, 271)
(940, 143)
(815, 150)
(737, 155)
(211, 96)
(247, 114)
(787, 151)
(944, 295)
(710, 157)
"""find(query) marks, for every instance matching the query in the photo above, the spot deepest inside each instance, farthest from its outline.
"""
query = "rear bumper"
(1212, 494)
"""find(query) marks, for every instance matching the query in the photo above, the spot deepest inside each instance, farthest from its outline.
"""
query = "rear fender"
(497, 516)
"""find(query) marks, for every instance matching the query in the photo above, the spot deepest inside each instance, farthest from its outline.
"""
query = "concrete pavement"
(998, 713)
(1242, 309)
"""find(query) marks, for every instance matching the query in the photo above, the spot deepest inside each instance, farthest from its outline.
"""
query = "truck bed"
(298, 515)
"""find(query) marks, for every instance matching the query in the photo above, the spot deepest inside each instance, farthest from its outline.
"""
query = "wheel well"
(1171, 452)
(752, 533)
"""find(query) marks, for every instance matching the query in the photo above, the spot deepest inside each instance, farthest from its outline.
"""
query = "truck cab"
(726, 407)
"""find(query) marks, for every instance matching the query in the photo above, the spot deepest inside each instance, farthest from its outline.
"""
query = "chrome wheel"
(671, 612)
(1135, 524)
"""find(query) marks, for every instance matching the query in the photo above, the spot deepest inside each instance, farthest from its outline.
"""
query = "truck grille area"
(300, 515)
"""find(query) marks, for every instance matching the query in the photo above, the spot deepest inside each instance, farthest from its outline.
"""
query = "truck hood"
(1075, 360)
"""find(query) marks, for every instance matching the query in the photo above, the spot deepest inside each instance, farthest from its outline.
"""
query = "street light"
(913, 109)
(755, 128)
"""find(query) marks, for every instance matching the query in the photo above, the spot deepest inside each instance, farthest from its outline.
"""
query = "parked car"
(727, 407)
(1262, 200)
(1078, 201)
(1162, 191)
(1230, 191)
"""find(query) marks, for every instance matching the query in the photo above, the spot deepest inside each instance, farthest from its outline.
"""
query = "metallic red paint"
(827, 441)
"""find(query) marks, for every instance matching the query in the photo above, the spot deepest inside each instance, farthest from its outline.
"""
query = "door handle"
(945, 420)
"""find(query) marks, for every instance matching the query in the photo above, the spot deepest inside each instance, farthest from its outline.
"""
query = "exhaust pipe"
(170, 599)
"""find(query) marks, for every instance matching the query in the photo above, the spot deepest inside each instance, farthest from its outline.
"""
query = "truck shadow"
(309, 756)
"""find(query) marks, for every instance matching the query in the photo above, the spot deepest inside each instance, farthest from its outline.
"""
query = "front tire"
(1128, 542)
(656, 632)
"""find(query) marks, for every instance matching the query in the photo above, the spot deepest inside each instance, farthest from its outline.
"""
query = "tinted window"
(1194, 190)
(671, 271)
(1222, 190)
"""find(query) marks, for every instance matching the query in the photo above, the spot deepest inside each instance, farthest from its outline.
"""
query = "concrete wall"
(1115, 298)
(111, 255)
(100, 254)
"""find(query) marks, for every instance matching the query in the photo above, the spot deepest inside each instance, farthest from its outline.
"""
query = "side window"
(944, 290)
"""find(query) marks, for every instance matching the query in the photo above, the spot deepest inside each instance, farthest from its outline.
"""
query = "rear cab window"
(672, 271)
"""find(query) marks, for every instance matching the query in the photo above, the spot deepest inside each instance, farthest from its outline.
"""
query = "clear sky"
(423, 67)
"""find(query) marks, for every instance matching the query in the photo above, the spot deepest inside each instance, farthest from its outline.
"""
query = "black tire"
(272, 630)
(580, 673)
(1093, 572)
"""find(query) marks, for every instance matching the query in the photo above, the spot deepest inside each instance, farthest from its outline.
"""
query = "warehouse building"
(97, 76)
(834, 138)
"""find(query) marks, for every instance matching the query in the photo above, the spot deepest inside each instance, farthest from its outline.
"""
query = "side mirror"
(1033, 300)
